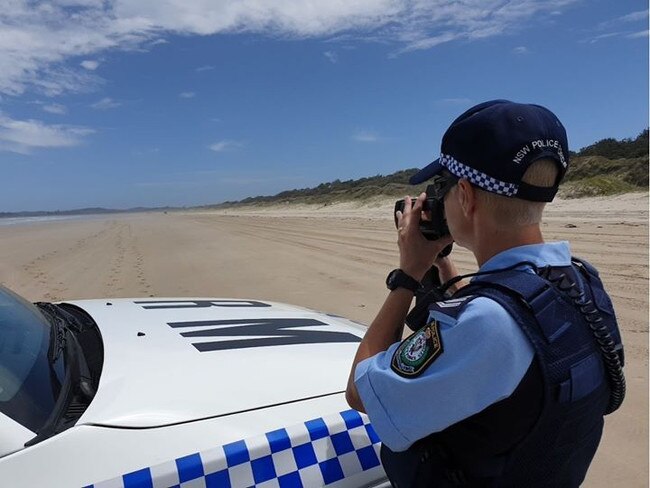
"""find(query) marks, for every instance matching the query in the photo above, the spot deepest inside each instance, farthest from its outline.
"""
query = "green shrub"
(595, 186)
(612, 149)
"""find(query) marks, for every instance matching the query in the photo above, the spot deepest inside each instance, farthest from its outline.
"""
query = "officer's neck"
(490, 241)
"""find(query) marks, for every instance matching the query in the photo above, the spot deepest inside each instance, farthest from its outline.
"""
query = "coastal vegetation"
(607, 167)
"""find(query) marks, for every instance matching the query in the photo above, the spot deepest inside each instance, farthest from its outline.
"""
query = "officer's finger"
(416, 211)
(406, 214)
(399, 217)
(407, 206)
(419, 203)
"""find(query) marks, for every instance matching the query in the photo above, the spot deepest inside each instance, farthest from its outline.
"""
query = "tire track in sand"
(42, 269)
(126, 267)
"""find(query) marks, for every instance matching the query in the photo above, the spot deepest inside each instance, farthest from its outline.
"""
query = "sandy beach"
(334, 259)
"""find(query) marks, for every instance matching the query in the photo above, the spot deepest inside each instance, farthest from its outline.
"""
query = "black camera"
(434, 225)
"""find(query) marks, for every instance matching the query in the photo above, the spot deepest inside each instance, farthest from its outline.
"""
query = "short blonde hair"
(508, 211)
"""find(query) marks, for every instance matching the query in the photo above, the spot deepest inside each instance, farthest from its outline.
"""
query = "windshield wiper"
(77, 389)
(64, 326)
(58, 332)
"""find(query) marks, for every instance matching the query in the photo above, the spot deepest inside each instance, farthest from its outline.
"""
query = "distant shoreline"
(53, 215)
(43, 219)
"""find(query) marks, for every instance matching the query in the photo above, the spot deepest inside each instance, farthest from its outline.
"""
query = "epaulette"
(451, 307)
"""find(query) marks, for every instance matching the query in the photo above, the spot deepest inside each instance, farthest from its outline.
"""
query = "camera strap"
(442, 289)
(433, 292)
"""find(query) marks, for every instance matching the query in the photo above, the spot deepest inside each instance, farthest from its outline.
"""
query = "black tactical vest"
(547, 432)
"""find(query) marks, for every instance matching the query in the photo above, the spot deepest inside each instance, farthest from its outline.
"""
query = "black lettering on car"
(160, 304)
(267, 332)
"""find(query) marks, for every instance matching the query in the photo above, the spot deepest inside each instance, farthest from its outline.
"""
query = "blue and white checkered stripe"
(318, 452)
(477, 177)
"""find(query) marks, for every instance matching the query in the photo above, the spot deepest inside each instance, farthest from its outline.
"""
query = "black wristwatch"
(399, 279)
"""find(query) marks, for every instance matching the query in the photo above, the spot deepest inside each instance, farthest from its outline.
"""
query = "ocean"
(47, 218)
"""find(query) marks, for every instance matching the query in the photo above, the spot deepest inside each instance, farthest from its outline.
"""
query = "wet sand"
(333, 259)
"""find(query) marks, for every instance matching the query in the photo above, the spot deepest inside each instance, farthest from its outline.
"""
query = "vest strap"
(547, 305)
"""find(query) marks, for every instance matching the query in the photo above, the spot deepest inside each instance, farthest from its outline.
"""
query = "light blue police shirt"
(485, 356)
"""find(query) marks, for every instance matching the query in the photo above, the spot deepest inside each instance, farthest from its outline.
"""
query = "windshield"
(28, 385)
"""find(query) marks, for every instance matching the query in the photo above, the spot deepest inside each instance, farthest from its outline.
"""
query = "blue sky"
(174, 102)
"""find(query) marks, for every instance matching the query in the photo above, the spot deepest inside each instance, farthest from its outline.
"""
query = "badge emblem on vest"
(418, 351)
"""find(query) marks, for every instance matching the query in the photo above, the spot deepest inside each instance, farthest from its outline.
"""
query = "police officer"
(507, 382)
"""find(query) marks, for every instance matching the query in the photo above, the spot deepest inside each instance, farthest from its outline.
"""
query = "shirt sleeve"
(485, 356)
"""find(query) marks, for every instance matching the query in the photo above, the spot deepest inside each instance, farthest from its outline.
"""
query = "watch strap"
(399, 279)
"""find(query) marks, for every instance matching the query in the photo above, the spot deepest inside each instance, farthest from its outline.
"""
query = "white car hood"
(168, 361)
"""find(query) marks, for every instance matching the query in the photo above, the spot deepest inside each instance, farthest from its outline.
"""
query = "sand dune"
(333, 259)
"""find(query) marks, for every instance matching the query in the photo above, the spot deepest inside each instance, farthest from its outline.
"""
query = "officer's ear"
(466, 197)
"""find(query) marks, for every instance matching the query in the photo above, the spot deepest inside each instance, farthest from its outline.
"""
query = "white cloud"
(55, 108)
(520, 50)
(22, 136)
(600, 37)
(55, 81)
(331, 56)
(206, 67)
(631, 17)
(89, 64)
(187, 95)
(427, 42)
(622, 27)
(224, 145)
(366, 136)
(636, 35)
(39, 37)
(635, 16)
(106, 104)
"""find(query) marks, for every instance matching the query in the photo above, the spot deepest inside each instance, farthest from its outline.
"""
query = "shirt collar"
(545, 254)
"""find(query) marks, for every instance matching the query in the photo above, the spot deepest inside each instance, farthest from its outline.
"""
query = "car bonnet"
(174, 360)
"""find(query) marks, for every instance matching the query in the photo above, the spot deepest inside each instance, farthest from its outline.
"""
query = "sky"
(125, 103)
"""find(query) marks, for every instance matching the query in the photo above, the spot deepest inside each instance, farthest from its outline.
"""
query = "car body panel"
(167, 412)
(100, 456)
(13, 435)
(340, 450)
(154, 374)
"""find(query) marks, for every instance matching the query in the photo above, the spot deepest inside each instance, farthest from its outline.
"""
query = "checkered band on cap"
(318, 452)
(477, 177)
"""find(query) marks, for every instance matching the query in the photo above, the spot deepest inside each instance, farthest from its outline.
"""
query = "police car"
(179, 393)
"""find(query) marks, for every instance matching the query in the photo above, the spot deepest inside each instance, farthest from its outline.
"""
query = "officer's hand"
(417, 254)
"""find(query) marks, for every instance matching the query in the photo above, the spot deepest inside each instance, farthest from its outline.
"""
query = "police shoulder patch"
(418, 351)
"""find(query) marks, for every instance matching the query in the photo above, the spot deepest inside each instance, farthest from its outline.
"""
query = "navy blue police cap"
(494, 143)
